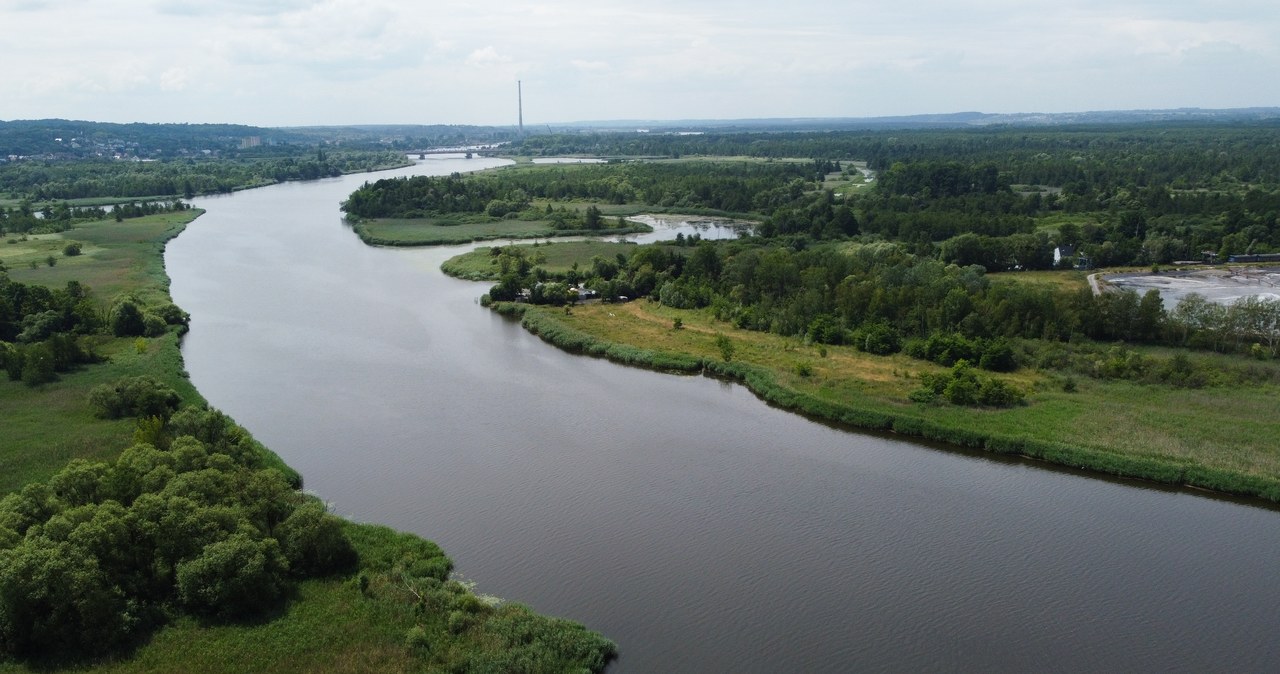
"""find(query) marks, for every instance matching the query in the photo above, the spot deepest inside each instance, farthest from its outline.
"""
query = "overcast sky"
(307, 62)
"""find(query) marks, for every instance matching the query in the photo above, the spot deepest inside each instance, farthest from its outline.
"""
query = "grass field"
(48, 425)
(1064, 279)
(436, 232)
(557, 258)
(1231, 429)
(116, 257)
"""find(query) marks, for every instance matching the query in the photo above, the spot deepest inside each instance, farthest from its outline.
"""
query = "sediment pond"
(699, 528)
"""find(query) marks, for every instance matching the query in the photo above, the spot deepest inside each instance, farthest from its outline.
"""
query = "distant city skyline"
(335, 62)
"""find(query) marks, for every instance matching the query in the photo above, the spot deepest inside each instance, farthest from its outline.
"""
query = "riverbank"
(396, 610)
(1219, 439)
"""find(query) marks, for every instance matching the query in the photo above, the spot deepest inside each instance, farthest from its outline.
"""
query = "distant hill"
(943, 120)
(70, 139)
(67, 139)
(74, 138)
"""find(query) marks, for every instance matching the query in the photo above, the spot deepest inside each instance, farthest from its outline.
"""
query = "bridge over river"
(469, 150)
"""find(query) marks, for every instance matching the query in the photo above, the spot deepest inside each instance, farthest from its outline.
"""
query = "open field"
(433, 232)
(1221, 438)
(1065, 279)
(117, 258)
(557, 258)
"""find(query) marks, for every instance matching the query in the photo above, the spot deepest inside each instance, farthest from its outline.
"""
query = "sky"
(334, 62)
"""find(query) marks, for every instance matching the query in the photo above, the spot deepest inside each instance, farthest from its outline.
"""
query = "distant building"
(1257, 257)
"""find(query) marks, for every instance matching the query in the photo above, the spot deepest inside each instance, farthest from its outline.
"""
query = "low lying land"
(482, 263)
(1220, 438)
(445, 231)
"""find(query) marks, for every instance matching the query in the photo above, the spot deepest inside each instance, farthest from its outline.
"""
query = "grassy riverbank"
(395, 611)
(1219, 438)
(452, 231)
(481, 264)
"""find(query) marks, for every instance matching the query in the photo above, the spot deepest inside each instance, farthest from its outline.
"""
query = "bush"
(963, 386)
(233, 578)
(998, 357)
(171, 314)
(71, 249)
(152, 325)
(878, 338)
(313, 541)
(127, 319)
(133, 397)
(55, 599)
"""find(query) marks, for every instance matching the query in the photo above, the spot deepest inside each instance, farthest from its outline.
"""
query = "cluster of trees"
(43, 331)
(50, 180)
(962, 386)
(103, 553)
(721, 186)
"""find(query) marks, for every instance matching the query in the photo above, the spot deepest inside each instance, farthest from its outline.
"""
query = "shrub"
(313, 541)
(879, 338)
(135, 397)
(998, 357)
(726, 347)
(71, 249)
(127, 319)
(54, 598)
(233, 578)
(152, 325)
(171, 314)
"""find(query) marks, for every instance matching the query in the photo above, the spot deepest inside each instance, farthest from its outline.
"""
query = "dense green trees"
(41, 180)
(722, 186)
(104, 552)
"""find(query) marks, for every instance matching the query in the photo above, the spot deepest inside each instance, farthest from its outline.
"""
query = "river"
(700, 529)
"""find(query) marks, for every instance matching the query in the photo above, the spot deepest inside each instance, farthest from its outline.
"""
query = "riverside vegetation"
(141, 530)
(878, 306)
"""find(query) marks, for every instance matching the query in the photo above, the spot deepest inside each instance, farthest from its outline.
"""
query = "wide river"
(699, 528)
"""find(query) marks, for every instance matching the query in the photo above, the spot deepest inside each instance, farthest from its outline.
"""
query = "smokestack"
(520, 103)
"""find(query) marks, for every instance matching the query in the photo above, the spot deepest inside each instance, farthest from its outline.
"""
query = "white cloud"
(173, 79)
(319, 61)
(590, 66)
(486, 57)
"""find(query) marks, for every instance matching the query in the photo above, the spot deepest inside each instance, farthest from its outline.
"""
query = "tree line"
(97, 178)
(723, 186)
